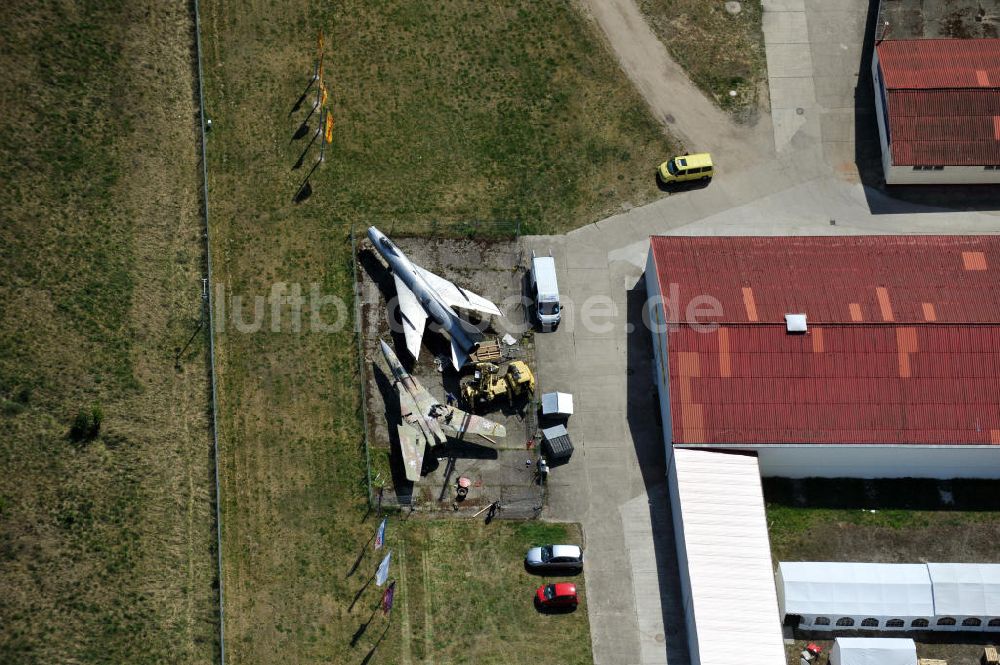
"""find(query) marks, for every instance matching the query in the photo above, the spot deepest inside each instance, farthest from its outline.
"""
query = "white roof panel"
(873, 651)
(966, 589)
(557, 404)
(728, 555)
(857, 589)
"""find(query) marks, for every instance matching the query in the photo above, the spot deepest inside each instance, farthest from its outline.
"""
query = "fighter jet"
(422, 294)
(426, 421)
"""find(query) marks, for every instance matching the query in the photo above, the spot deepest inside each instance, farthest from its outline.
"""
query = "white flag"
(383, 570)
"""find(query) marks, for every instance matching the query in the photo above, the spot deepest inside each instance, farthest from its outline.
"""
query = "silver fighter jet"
(423, 294)
(426, 421)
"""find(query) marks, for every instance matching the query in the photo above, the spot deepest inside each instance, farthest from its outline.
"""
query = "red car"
(560, 595)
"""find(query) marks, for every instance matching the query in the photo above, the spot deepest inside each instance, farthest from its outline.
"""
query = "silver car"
(560, 558)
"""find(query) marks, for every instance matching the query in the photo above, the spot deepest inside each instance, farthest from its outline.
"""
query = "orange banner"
(328, 137)
(322, 93)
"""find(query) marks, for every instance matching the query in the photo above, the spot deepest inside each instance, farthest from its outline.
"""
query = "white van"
(545, 291)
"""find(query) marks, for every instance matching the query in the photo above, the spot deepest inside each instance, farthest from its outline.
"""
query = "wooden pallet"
(488, 352)
(990, 656)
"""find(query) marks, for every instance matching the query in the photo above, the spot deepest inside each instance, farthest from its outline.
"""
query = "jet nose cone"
(374, 235)
(386, 351)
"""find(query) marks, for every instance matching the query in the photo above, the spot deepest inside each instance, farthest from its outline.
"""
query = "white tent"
(727, 583)
(968, 593)
(873, 651)
(833, 595)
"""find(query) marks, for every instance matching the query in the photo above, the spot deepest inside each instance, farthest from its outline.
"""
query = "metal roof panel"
(874, 382)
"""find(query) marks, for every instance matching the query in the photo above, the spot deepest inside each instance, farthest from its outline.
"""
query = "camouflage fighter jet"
(426, 421)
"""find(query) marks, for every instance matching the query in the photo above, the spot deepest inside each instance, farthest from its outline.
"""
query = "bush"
(86, 426)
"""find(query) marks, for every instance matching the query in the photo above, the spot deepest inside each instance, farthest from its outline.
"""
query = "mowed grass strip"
(446, 114)
(106, 542)
(891, 521)
(470, 599)
(721, 51)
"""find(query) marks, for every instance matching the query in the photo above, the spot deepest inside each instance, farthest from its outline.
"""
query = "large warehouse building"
(865, 357)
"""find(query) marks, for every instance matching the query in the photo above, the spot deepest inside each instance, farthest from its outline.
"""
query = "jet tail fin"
(458, 356)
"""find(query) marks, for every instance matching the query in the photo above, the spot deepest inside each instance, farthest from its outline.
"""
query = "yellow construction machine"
(489, 385)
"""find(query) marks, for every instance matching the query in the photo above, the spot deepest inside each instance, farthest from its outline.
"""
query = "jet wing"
(413, 314)
(411, 446)
(460, 422)
(456, 296)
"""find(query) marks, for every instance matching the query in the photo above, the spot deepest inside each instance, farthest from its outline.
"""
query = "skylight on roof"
(795, 323)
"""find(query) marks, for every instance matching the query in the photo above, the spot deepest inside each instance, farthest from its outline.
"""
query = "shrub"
(86, 426)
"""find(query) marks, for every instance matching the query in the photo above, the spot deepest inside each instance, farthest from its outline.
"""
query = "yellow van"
(687, 167)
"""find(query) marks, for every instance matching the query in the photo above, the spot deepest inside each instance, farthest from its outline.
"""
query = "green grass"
(458, 118)
(105, 542)
(469, 599)
(895, 521)
(719, 51)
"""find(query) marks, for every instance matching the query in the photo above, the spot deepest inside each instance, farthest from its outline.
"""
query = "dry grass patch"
(721, 51)
(105, 543)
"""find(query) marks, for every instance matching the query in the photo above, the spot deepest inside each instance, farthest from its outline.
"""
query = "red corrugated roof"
(903, 343)
(925, 64)
(943, 98)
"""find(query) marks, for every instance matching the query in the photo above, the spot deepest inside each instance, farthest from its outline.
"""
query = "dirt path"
(684, 110)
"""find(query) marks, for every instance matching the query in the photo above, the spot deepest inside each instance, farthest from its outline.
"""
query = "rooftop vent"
(795, 323)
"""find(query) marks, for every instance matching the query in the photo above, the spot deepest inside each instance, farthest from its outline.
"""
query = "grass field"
(891, 521)
(719, 50)
(469, 600)
(106, 541)
(446, 113)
